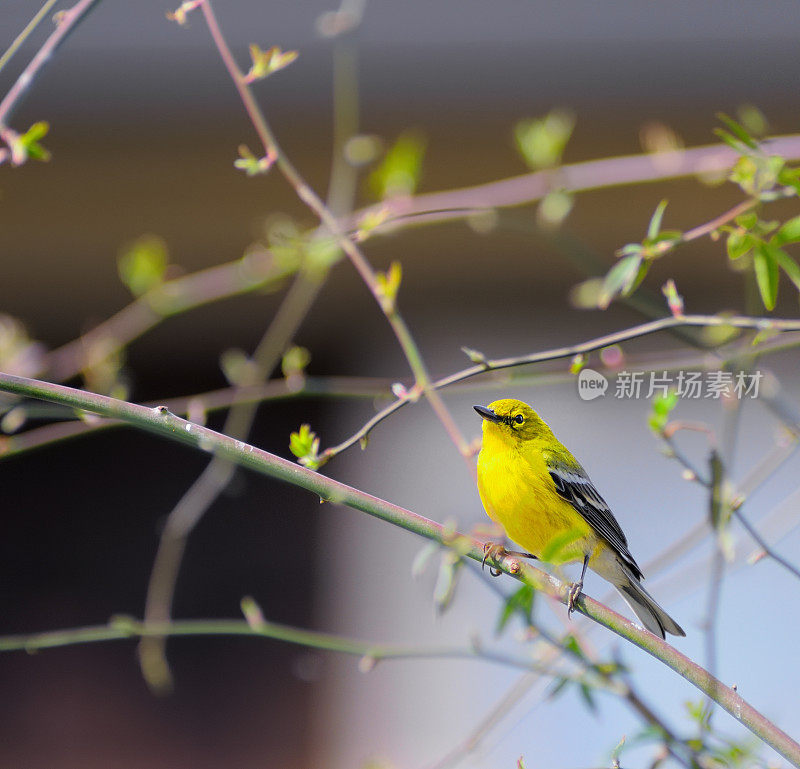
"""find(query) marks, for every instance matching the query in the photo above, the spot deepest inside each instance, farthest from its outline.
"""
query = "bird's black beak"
(487, 413)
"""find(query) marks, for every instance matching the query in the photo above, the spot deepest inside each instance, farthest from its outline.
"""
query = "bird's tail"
(652, 616)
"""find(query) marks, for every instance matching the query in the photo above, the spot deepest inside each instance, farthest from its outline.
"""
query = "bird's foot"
(493, 551)
(575, 589)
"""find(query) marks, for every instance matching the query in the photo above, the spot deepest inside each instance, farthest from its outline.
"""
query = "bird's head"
(512, 421)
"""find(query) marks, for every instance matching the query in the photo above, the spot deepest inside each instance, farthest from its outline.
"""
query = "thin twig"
(301, 386)
(122, 628)
(214, 479)
(577, 177)
(753, 532)
(67, 21)
(26, 32)
(570, 351)
(353, 252)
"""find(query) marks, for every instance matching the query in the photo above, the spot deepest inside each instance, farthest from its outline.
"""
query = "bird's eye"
(519, 419)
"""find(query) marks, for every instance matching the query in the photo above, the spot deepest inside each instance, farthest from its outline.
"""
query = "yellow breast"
(517, 492)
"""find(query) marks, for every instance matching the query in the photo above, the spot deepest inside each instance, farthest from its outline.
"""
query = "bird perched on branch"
(539, 493)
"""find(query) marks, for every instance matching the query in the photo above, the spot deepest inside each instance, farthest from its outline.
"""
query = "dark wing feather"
(573, 485)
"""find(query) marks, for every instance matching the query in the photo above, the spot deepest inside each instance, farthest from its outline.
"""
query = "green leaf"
(621, 279)
(250, 164)
(719, 510)
(655, 220)
(304, 444)
(588, 696)
(700, 713)
(637, 279)
(143, 264)
(747, 220)
(519, 602)
(630, 249)
(399, 173)
(541, 141)
(577, 363)
(738, 131)
(731, 141)
(752, 119)
(674, 299)
(571, 644)
(29, 141)
(787, 264)
(269, 61)
(660, 411)
(388, 284)
(790, 177)
(743, 173)
(294, 361)
(766, 269)
(739, 243)
(789, 232)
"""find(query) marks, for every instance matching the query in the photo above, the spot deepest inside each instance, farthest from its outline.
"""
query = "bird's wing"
(573, 485)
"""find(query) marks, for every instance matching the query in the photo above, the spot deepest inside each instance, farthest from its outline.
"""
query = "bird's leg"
(576, 587)
(494, 551)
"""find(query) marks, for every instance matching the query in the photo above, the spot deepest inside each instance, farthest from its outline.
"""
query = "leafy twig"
(67, 21)
(353, 252)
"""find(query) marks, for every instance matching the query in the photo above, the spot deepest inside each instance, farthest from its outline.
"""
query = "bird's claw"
(575, 590)
(494, 552)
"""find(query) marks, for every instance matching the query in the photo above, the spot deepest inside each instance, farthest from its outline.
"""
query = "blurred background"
(144, 128)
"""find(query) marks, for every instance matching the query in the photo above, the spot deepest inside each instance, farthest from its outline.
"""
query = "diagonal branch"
(67, 21)
(161, 422)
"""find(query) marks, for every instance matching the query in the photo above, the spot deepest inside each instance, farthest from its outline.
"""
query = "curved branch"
(161, 422)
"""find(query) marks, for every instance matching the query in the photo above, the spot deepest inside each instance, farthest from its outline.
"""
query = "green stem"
(161, 422)
(121, 628)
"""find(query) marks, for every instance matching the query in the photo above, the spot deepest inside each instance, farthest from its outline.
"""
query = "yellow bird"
(539, 493)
